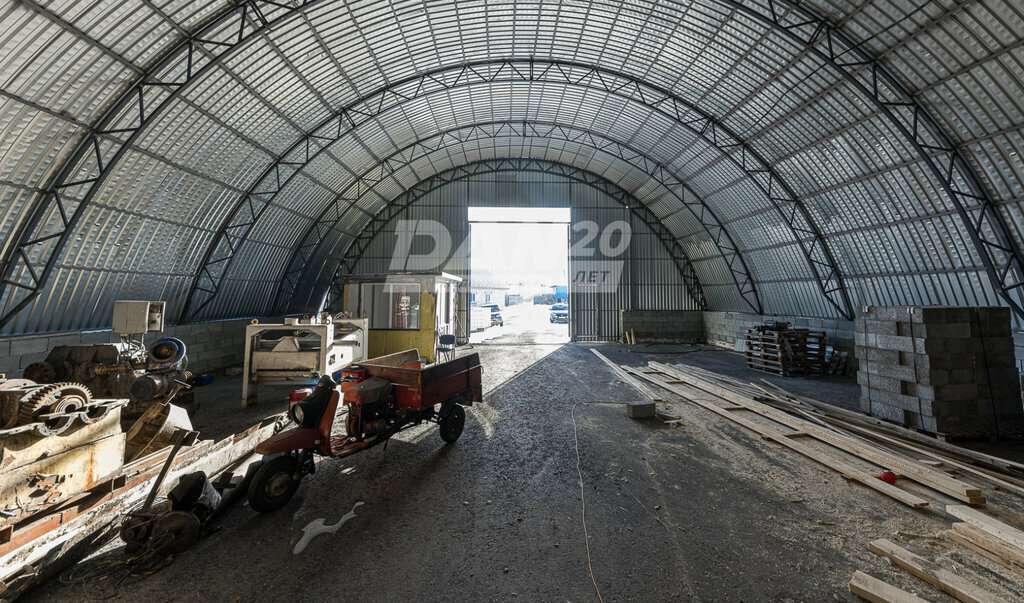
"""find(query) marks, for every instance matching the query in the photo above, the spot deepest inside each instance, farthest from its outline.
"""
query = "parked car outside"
(496, 318)
(560, 313)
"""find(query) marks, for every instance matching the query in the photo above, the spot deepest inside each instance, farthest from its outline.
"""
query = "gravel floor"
(703, 511)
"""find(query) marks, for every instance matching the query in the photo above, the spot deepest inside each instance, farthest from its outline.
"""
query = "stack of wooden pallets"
(783, 351)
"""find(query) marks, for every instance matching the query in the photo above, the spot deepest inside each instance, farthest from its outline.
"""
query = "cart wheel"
(274, 484)
(451, 425)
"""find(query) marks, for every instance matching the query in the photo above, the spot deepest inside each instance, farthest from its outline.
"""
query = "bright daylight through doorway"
(519, 267)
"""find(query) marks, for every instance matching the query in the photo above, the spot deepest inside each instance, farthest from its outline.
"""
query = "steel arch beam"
(986, 226)
(575, 174)
(29, 262)
(250, 207)
(27, 265)
(346, 201)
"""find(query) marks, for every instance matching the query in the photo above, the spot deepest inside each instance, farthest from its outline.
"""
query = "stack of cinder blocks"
(947, 370)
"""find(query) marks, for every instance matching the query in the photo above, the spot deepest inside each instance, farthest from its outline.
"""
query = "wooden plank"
(932, 573)
(1008, 534)
(941, 459)
(830, 461)
(648, 393)
(922, 474)
(874, 590)
(902, 432)
(972, 538)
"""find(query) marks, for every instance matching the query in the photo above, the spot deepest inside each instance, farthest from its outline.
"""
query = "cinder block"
(26, 359)
(63, 339)
(640, 410)
(5, 347)
(28, 345)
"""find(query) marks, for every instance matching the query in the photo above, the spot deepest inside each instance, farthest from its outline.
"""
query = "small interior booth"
(404, 310)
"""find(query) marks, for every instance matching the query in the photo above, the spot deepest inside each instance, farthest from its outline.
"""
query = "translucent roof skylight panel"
(135, 32)
(16, 204)
(33, 143)
(999, 161)
(269, 74)
(66, 74)
(220, 94)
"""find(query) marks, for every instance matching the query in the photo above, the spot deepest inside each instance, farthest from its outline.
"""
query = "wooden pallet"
(785, 352)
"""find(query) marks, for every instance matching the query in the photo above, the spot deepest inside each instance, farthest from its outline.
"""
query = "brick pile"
(946, 370)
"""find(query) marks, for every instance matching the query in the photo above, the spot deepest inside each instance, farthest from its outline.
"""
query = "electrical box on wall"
(133, 317)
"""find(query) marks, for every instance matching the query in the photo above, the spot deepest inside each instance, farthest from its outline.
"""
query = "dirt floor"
(702, 511)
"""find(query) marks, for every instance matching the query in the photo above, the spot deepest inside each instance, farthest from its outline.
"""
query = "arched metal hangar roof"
(809, 157)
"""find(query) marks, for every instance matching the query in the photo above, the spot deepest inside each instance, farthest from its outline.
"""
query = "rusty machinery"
(126, 369)
(48, 409)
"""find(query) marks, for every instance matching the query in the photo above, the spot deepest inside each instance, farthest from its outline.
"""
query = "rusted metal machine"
(380, 397)
(56, 440)
(126, 369)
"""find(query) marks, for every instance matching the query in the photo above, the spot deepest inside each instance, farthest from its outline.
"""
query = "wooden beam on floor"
(1008, 534)
(649, 393)
(985, 545)
(923, 474)
(874, 590)
(828, 460)
(932, 573)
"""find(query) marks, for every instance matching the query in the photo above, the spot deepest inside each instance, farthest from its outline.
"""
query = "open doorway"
(519, 275)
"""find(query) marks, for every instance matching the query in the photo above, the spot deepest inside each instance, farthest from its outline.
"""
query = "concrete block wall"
(664, 325)
(211, 345)
(725, 329)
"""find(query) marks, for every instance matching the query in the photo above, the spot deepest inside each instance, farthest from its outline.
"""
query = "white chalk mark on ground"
(317, 527)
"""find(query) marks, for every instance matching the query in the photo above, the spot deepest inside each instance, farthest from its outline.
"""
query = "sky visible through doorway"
(521, 245)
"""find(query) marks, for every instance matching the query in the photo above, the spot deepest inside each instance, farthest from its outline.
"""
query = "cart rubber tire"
(274, 484)
(451, 425)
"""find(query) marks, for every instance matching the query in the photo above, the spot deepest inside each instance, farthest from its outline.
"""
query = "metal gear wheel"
(64, 398)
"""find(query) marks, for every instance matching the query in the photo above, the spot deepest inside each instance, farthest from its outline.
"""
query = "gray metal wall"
(650, 280)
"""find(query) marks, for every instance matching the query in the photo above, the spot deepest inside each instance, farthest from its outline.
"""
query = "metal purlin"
(29, 263)
(386, 214)
(251, 206)
(985, 225)
(346, 201)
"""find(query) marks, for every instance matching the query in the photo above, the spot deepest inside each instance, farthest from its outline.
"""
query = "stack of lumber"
(810, 431)
(987, 536)
(785, 351)
(945, 370)
(859, 447)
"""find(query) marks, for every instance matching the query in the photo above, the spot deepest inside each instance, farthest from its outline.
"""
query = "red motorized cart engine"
(368, 407)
